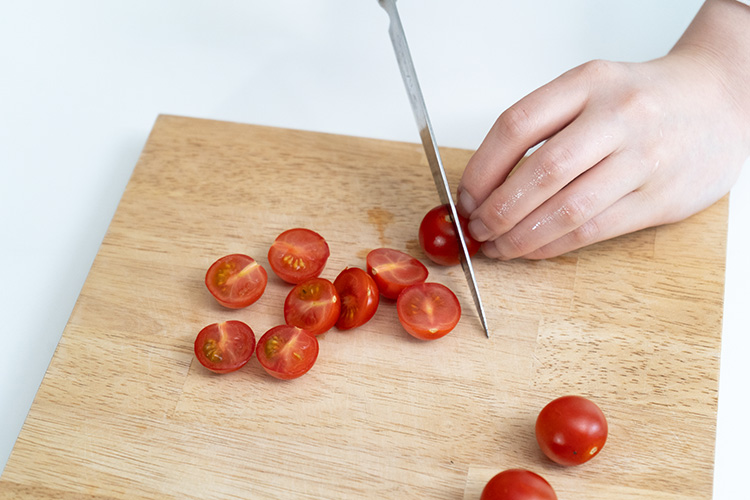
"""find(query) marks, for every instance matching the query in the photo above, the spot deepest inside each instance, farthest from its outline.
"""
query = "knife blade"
(409, 75)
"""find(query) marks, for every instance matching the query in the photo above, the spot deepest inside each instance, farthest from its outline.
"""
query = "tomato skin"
(571, 430)
(394, 270)
(518, 484)
(287, 352)
(359, 296)
(439, 240)
(298, 254)
(236, 280)
(428, 311)
(313, 305)
(225, 347)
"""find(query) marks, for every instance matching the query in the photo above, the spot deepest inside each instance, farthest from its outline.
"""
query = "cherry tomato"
(359, 297)
(225, 347)
(428, 311)
(571, 430)
(394, 270)
(298, 255)
(518, 484)
(313, 305)
(438, 237)
(236, 280)
(287, 352)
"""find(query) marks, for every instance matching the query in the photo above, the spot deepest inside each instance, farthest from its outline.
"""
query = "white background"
(82, 81)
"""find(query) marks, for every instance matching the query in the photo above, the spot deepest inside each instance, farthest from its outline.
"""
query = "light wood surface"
(126, 412)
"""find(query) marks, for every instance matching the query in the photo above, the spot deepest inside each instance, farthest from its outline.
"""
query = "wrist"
(719, 39)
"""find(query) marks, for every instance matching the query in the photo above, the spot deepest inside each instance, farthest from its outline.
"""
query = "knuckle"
(513, 245)
(515, 123)
(586, 233)
(502, 216)
(599, 69)
(641, 104)
(577, 209)
(553, 165)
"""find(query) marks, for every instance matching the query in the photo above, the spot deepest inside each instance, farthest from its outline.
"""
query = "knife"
(408, 73)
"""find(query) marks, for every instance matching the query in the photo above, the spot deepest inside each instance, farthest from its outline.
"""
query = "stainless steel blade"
(405, 64)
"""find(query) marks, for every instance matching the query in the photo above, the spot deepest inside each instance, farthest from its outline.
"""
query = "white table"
(82, 81)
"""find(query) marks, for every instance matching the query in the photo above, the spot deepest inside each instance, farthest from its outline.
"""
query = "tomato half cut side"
(428, 311)
(571, 430)
(313, 305)
(394, 270)
(298, 254)
(287, 352)
(225, 347)
(438, 238)
(359, 297)
(236, 280)
(518, 484)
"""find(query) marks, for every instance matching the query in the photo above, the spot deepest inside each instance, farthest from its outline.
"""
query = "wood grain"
(126, 412)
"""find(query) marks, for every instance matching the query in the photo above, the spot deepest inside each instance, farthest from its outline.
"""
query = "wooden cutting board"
(126, 412)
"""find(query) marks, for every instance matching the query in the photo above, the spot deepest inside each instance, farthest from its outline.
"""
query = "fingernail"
(478, 230)
(466, 203)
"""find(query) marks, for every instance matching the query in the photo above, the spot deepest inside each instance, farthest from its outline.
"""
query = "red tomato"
(225, 347)
(571, 430)
(359, 297)
(394, 270)
(298, 255)
(438, 237)
(428, 311)
(313, 305)
(518, 484)
(287, 352)
(236, 280)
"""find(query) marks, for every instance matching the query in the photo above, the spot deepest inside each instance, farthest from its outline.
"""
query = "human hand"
(628, 146)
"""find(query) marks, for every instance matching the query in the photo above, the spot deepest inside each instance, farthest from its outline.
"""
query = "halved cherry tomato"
(298, 254)
(359, 297)
(428, 311)
(518, 484)
(571, 430)
(225, 347)
(438, 238)
(236, 280)
(394, 270)
(287, 352)
(313, 305)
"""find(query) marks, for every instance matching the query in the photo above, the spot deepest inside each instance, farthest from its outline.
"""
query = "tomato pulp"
(236, 280)
(298, 254)
(287, 352)
(571, 430)
(439, 240)
(359, 297)
(313, 305)
(394, 270)
(225, 347)
(428, 311)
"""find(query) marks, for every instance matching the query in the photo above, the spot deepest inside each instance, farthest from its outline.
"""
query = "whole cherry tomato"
(518, 484)
(571, 430)
(438, 238)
